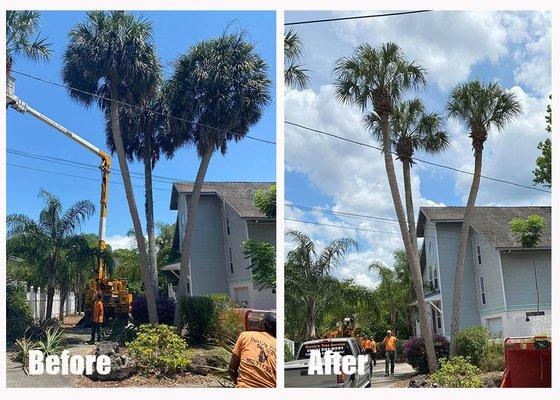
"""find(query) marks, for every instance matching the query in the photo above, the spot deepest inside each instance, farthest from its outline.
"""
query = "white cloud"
(120, 241)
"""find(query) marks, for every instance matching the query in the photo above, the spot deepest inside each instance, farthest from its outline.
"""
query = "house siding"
(238, 234)
(490, 271)
(264, 298)
(448, 240)
(519, 279)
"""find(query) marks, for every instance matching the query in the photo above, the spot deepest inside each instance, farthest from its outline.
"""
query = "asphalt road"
(403, 372)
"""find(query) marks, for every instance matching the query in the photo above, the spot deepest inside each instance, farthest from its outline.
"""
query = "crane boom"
(17, 104)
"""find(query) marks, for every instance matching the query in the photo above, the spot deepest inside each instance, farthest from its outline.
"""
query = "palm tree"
(413, 129)
(294, 73)
(49, 241)
(377, 77)
(481, 108)
(112, 56)
(22, 37)
(308, 273)
(217, 92)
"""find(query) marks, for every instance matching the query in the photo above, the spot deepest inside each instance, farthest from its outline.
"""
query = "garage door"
(494, 325)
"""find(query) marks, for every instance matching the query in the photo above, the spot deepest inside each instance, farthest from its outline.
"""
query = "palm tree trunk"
(63, 295)
(409, 203)
(149, 285)
(310, 331)
(411, 252)
(536, 282)
(184, 275)
(51, 284)
(456, 311)
(149, 209)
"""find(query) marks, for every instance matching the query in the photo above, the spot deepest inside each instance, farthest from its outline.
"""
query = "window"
(230, 260)
(478, 255)
(227, 226)
(430, 249)
(436, 278)
(436, 320)
(482, 293)
(433, 277)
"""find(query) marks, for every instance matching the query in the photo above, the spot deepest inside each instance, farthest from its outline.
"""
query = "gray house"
(226, 217)
(499, 282)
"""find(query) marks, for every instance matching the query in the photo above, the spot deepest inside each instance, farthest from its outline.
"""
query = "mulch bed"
(183, 380)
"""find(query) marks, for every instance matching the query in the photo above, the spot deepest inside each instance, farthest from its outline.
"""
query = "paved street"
(403, 372)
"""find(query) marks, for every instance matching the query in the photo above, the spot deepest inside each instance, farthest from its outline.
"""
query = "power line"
(342, 226)
(316, 21)
(341, 213)
(139, 108)
(414, 158)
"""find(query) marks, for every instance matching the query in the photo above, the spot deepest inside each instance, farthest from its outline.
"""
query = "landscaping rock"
(201, 361)
(492, 379)
(421, 381)
(122, 366)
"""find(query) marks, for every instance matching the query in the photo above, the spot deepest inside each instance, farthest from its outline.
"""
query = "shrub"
(493, 358)
(53, 342)
(22, 347)
(198, 316)
(158, 350)
(415, 351)
(288, 356)
(229, 325)
(472, 343)
(457, 373)
(18, 312)
(165, 310)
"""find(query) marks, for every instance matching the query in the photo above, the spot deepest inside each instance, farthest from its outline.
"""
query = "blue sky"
(511, 47)
(174, 32)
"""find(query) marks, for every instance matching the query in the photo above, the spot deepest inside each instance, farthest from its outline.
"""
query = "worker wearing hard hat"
(253, 362)
(390, 343)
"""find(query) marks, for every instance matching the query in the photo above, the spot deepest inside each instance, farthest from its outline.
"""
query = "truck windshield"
(336, 347)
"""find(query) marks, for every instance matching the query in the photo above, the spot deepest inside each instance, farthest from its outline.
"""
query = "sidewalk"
(403, 372)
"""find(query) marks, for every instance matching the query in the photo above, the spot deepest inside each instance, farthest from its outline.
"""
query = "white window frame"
(482, 291)
(228, 231)
(478, 255)
(436, 278)
(230, 253)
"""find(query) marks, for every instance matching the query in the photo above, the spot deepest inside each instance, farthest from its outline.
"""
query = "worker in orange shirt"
(373, 346)
(390, 343)
(253, 362)
(97, 317)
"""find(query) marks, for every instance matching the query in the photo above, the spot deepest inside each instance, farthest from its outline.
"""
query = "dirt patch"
(184, 380)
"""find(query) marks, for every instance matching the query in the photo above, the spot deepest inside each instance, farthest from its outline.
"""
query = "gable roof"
(239, 195)
(491, 222)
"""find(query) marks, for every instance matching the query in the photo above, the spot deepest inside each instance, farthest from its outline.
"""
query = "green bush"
(472, 343)
(229, 325)
(198, 316)
(457, 372)
(53, 342)
(18, 312)
(493, 358)
(288, 356)
(158, 350)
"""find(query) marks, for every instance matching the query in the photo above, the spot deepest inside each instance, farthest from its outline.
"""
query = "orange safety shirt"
(98, 312)
(257, 353)
(390, 343)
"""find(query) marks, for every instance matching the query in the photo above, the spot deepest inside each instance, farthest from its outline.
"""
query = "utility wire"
(139, 108)
(341, 213)
(414, 158)
(392, 14)
(342, 226)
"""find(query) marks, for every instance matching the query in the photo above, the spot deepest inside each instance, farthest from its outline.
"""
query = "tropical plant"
(217, 92)
(158, 350)
(481, 108)
(265, 201)
(111, 59)
(414, 129)
(262, 256)
(529, 232)
(294, 73)
(198, 316)
(18, 312)
(457, 372)
(53, 342)
(376, 78)
(307, 271)
(23, 347)
(543, 172)
(473, 343)
(48, 242)
(23, 37)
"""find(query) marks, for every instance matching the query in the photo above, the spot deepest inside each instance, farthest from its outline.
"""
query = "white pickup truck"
(295, 372)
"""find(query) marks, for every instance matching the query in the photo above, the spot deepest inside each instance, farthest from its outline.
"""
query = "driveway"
(403, 372)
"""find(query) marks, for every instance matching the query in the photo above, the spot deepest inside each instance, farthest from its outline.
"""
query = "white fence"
(38, 301)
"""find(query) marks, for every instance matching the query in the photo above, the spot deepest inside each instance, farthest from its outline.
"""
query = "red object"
(253, 319)
(528, 362)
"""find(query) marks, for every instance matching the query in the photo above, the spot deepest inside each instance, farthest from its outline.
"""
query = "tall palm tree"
(145, 138)
(481, 108)
(217, 92)
(112, 55)
(294, 73)
(308, 273)
(49, 241)
(377, 77)
(413, 129)
(22, 37)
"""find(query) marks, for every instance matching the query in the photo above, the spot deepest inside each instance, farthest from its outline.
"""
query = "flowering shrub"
(415, 351)
(165, 310)
(457, 373)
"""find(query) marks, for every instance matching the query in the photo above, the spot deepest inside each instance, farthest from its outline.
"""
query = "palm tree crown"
(103, 46)
(218, 91)
(294, 73)
(376, 76)
(482, 107)
(412, 128)
(22, 37)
